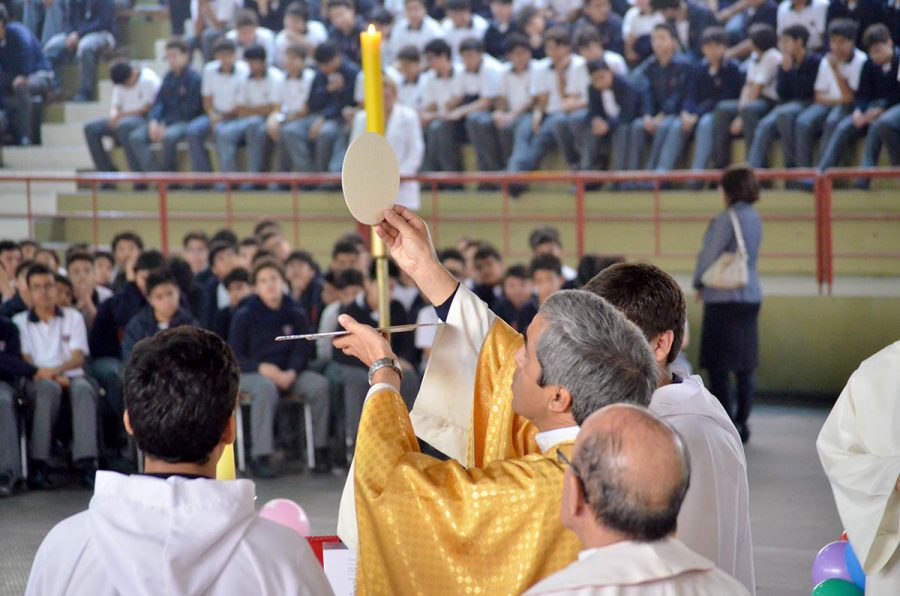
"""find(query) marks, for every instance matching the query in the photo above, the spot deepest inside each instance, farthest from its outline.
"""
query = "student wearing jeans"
(877, 96)
(613, 103)
(475, 89)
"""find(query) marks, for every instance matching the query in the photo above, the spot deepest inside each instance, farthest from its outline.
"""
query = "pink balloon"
(287, 513)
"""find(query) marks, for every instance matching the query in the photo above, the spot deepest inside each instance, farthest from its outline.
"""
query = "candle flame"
(371, 29)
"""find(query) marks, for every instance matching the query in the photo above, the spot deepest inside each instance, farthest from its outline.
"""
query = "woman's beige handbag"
(729, 271)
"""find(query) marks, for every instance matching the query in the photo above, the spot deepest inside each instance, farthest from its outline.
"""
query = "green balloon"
(836, 587)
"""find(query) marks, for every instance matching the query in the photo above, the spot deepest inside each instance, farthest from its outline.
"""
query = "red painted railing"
(821, 202)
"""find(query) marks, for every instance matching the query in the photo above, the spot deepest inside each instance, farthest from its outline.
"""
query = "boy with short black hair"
(546, 276)
(462, 24)
(181, 391)
(415, 28)
(500, 27)
(600, 15)
(438, 101)
(798, 80)
(518, 306)
(247, 33)
(300, 30)
(237, 283)
(344, 28)
(475, 89)
(223, 258)
(409, 65)
(162, 312)
(490, 271)
(613, 103)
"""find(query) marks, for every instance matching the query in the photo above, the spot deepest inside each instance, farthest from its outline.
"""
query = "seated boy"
(163, 312)
(238, 285)
(174, 528)
(613, 103)
(546, 276)
(518, 306)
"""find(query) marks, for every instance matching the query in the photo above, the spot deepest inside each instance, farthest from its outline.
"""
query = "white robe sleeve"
(444, 404)
(859, 447)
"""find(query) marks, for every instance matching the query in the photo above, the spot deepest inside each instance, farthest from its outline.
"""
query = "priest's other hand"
(364, 343)
(406, 236)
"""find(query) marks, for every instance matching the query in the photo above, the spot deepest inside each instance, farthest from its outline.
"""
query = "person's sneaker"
(38, 479)
(263, 467)
(87, 470)
(7, 485)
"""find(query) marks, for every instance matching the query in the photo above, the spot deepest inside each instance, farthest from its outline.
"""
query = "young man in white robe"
(859, 446)
(621, 494)
(175, 529)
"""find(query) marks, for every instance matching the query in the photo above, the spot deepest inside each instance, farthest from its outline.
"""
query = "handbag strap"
(736, 224)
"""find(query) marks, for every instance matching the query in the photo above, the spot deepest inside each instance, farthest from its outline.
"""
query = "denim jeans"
(87, 54)
(779, 123)
(884, 131)
(485, 140)
(229, 136)
(140, 144)
(638, 139)
(816, 121)
(530, 148)
(570, 132)
(726, 111)
(96, 130)
(441, 147)
(295, 144)
(703, 141)
(197, 133)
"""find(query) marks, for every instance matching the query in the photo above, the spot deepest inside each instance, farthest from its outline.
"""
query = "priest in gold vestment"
(486, 521)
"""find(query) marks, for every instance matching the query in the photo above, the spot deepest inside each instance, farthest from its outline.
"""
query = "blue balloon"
(854, 569)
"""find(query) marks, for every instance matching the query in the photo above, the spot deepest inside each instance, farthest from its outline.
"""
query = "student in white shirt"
(414, 28)
(258, 95)
(212, 19)
(461, 24)
(637, 25)
(441, 145)
(812, 14)
(835, 102)
(298, 30)
(409, 67)
(218, 87)
(559, 85)
(294, 109)
(493, 136)
(403, 132)
(758, 96)
(175, 529)
(247, 33)
(476, 86)
(55, 341)
(622, 492)
(133, 94)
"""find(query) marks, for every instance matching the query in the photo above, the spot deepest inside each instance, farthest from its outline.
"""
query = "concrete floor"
(792, 510)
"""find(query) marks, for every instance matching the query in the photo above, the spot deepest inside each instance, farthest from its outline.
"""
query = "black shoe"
(516, 190)
(323, 461)
(87, 470)
(263, 467)
(7, 485)
(38, 479)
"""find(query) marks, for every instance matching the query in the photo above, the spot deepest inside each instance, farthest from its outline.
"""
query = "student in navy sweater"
(666, 75)
(162, 312)
(796, 90)
(613, 103)
(12, 370)
(876, 109)
(24, 71)
(270, 369)
(713, 79)
(690, 19)
(177, 103)
(90, 31)
(599, 15)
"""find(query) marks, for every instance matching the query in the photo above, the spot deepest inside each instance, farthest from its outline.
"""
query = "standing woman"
(730, 339)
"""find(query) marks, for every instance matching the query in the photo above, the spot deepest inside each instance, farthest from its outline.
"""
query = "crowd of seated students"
(69, 324)
(518, 80)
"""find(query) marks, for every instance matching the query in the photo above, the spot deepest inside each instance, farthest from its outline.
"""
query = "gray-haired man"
(621, 496)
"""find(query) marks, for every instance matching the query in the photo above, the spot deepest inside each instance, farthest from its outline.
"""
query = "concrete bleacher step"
(58, 159)
(62, 134)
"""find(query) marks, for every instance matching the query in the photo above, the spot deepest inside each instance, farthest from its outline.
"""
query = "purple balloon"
(831, 563)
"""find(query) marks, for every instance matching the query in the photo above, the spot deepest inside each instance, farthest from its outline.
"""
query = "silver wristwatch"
(384, 363)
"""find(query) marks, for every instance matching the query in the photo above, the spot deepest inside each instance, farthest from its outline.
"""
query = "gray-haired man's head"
(580, 355)
(629, 474)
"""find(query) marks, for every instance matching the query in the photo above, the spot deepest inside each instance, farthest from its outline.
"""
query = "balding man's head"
(634, 470)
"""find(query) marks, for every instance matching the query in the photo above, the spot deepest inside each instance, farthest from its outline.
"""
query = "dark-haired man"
(143, 533)
(270, 369)
(134, 90)
(714, 520)
(24, 71)
(55, 341)
(621, 494)
(163, 311)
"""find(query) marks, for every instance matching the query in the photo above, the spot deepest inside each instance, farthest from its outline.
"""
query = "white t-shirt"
(437, 91)
(139, 95)
(402, 35)
(515, 87)
(225, 10)
(545, 81)
(637, 24)
(256, 93)
(826, 84)
(295, 92)
(564, 8)
(264, 38)
(616, 62)
(812, 16)
(852, 70)
(763, 70)
(51, 343)
(485, 82)
(409, 93)
(315, 34)
(222, 87)
(478, 26)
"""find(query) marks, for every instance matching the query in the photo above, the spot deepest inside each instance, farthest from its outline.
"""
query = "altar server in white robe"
(859, 446)
(621, 494)
(403, 132)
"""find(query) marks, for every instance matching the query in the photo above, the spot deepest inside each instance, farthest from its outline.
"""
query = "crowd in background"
(515, 78)
(68, 324)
